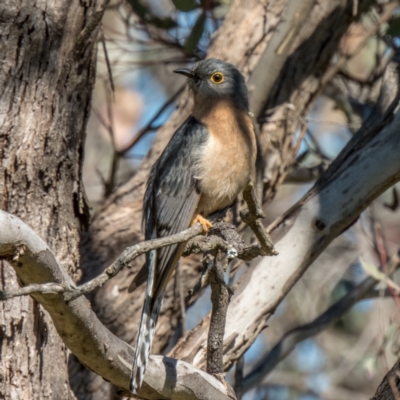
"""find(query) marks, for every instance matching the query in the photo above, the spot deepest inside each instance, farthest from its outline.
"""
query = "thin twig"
(46, 288)
(109, 70)
(129, 254)
(150, 125)
(110, 182)
(389, 10)
(252, 218)
(237, 249)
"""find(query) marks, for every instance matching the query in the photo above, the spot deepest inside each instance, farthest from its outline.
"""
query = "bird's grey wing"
(169, 205)
(172, 194)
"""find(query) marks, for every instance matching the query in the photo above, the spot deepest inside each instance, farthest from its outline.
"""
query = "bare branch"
(273, 59)
(252, 218)
(302, 174)
(94, 345)
(230, 239)
(389, 10)
(109, 69)
(46, 288)
(150, 125)
(72, 292)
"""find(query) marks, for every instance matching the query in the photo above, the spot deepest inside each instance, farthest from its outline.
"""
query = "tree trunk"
(47, 73)
(250, 29)
(389, 389)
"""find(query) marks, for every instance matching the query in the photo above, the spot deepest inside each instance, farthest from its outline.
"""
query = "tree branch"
(273, 59)
(72, 292)
(93, 344)
(252, 216)
(387, 14)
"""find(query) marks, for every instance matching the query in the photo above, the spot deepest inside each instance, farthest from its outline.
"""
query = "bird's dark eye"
(217, 77)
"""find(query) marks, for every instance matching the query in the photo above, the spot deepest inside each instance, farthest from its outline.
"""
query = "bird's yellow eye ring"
(217, 77)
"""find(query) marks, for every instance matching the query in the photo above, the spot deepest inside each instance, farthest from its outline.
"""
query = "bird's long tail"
(148, 322)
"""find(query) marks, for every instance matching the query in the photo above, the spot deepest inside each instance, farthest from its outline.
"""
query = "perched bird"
(207, 163)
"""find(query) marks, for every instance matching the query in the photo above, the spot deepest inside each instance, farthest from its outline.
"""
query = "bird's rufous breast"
(228, 158)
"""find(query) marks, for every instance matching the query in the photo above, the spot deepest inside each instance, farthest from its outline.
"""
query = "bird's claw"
(205, 223)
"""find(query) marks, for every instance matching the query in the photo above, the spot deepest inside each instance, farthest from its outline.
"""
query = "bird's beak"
(185, 71)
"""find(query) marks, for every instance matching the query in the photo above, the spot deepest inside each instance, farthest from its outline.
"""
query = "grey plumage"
(170, 200)
(233, 89)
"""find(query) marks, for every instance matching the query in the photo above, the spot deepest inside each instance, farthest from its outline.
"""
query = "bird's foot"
(206, 224)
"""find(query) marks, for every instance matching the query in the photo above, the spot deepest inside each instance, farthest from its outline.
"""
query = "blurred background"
(136, 92)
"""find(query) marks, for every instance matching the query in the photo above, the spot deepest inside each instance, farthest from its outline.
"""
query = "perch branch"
(220, 297)
(72, 292)
(86, 337)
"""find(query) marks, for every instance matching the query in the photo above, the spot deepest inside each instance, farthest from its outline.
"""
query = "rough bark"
(47, 73)
(246, 33)
(389, 389)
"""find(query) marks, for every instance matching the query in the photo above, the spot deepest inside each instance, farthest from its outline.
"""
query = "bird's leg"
(206, 224)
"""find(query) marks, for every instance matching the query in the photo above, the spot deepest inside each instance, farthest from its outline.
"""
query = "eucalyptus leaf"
(195, 35)
(139, 9)
(144, 13)
(163, 23)
(394, 27)
(185, 5)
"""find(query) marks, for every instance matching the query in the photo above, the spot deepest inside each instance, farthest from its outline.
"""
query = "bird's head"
(213, 80)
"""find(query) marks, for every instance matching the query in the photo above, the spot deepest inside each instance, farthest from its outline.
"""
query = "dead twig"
(150, 125)
(252, 217)
(128, 255)
(46, 288)
(389, 10)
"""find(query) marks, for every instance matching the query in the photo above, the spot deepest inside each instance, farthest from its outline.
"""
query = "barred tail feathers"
(147, 327)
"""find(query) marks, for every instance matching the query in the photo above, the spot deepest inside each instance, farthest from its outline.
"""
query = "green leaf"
(143, 12)
(394, 27)
(139, 9)
(162, 23)
(185, 5)
(195, 35)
